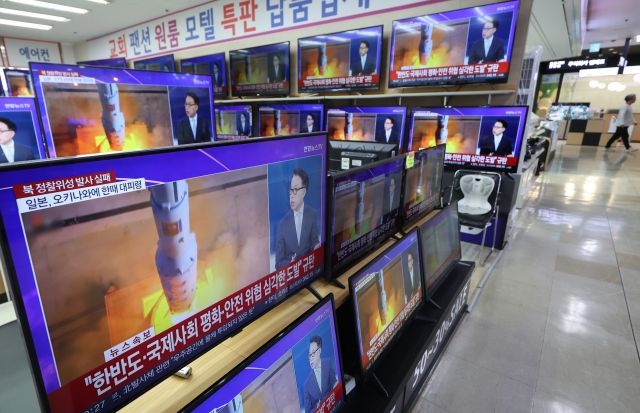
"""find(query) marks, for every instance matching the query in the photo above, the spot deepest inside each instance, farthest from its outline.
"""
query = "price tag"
(411, 159)
(345, 163)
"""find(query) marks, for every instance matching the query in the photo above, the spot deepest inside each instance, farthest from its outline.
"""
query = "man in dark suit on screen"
(363, 64)
(217, 75)
(497, 144)
(387, 135)
(298, 231)
(310, 126)
(11, 150)
(391, 198)
(411, 278)
(490, 48)
(322, 377)
(275, 72)
(192, 128)
(243, 126)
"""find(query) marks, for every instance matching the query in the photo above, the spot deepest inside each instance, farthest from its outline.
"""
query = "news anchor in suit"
(497, 144)
(490, 48)
(322, 377)
(243, 126)
(192, 128)
(363, 64)
(387, 135)
(217, 75)
(411, 278)
(11, 150)
(391, 198)
(298, 231)
(275, 72)
(310, 125)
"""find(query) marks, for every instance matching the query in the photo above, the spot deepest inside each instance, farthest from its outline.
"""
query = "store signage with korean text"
(20, 52)
(570, 64)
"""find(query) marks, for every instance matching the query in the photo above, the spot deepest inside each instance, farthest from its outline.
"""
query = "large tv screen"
(440, 246)
(20, 135)
(88, 110)
(338, 61)
(484, 138)
(297, 371)
(461, 46)
(365, 209)
(120, 62)
(369, 123)
(423, 183)
(213, 65)
(262, 70)
(233, 123)
(385, 294)
(275, 120)
(16, 82)
(123, 269)
(157, 64)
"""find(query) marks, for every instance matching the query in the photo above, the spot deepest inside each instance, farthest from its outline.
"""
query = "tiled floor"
(553, 330)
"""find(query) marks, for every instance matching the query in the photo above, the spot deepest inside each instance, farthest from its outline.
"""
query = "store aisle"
(553, 330)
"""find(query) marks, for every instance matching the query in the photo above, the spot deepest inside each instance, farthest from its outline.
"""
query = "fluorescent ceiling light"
(25, 24)
(100, 1)
(34, 15)
(53, 6)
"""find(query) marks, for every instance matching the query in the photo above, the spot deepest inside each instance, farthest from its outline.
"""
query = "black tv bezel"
(14, 286)
(329, 149)
(259, 93)
(332, 273)
(340, 89)
(173, 57)
(447, 271)
(224, 59)
(449, 167)
(413, 220)
(263, 349)
(268, 105)
(365, 376)
(424, 84)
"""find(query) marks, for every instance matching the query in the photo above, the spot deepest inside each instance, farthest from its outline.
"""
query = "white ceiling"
(610, 22)
(548, 28)
(101, 20)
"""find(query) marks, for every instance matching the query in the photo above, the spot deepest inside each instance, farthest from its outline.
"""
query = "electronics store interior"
(320, 206)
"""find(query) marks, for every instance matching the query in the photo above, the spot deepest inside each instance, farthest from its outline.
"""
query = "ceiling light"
(34, 15)
(611, 49)
(99, 1)
(636, 78)
(25, 24)
(45, 5)
(594, 83)
(638, 38)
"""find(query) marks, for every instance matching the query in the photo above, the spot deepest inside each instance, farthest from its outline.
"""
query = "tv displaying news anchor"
(13, 151)
(364, 63)
(276, 69)
(388, 134)
(193, 128)
(490, 48)
(260, 70)
(498, 143)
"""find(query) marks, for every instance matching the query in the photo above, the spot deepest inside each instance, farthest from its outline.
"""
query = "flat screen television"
(276, 120)
(471, 45)
(369, 123)
(386, 294)
(348, 60)
(364, 210)
(352, 154)
(20, 130)
(281, 376)
(471, 135)
(423, 184)
(16, 82)
(441, 249)
(89, 110)
(262, 70)
(213, 65)
(119, 62)
(233, 123)
(157, 64)
(147, 266)
(573, 110)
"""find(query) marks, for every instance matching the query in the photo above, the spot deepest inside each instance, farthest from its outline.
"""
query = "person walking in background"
(625, 119)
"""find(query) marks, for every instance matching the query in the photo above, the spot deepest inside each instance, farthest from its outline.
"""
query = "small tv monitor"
(233, 123)
(386, 294)
(299, 370)
(119, 62)
(19, 127)
(369, 124)
(348, 60)
(352, 154)
(471, 45)
(90, 110)
(441, 249)
(365, 210)
(423, 184)
(276, 120)
(213, 65)
(156, 64)
(262, 70)
(125, 267)
(16, 82)
(488, 138)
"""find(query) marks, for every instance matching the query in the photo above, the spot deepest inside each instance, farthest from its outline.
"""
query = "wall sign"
(569, 64)
(21, 51)
(594, 47)
(225, 20)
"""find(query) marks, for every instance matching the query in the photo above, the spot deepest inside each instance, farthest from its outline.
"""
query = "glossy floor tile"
(557, 325)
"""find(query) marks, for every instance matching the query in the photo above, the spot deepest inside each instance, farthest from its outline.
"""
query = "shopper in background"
(625, 119)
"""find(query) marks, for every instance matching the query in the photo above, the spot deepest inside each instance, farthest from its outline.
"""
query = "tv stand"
(379, 385)
(338, 284)
(434, 303)
(425, 319)
(314, 292)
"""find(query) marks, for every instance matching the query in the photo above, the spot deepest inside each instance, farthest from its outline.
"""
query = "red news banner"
(462, 70)
(340, 81)
(98, 383)
(463, 159)
(330, 401)
(63, 184)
